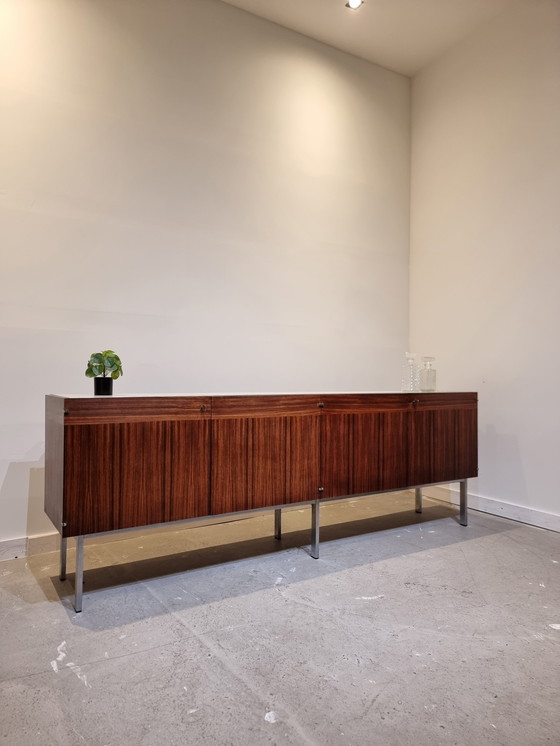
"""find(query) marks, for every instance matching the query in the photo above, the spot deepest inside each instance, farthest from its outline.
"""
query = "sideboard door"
(187, 469)
(364, 445)
(377, 442)
(442, 438)
(131, 462)
(91, 478)
(265, 451)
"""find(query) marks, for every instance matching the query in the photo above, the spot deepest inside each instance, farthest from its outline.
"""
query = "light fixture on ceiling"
(354, 4)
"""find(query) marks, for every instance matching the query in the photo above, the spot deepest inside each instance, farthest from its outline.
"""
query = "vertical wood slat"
(420, 464)
(229, 466)
(187, 469)
(303, 477)
(380, 451)
(267, 462)
(336, 454)
(91, 470)
(141, 492)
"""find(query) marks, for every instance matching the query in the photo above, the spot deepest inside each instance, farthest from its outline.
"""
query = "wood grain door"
(442, 438)
(265, 451)
(135, 462)
(364, 446)
(91, 472)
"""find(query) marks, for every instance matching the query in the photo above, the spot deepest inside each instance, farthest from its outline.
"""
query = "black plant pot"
(103, 386)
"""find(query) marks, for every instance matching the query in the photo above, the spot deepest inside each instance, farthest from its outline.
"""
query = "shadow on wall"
(27, 479)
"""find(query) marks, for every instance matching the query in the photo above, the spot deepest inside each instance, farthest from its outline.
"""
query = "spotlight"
(354, 4)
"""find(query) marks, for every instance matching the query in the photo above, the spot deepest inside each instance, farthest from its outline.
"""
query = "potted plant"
(104, 367)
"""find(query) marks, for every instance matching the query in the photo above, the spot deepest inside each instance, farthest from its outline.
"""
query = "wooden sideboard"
(116, 463)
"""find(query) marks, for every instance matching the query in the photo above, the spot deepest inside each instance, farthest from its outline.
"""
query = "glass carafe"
(427, 374)
(409, 379)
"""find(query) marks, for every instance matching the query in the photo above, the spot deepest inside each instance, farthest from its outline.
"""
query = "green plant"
(106, 363)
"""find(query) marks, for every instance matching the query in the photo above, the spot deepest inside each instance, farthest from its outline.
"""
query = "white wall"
(485, 247)
(223, 202)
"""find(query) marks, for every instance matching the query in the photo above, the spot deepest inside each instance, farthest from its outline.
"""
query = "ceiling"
(402, 35)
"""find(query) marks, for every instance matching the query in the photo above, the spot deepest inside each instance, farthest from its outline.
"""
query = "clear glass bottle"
(427, 374)
(409, 378)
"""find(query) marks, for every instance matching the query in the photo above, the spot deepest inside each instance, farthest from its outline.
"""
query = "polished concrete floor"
(409, 630)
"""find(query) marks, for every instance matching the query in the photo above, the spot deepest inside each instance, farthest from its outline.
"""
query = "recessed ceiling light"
(354, 4)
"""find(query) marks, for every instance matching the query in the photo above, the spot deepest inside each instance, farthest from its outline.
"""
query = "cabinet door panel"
(267, 461)
(364, 452)
(442, 445)
(455, 444)
(420, 447)
(229, 466)
(336, 431)
(388, 471)
(91, 463)
(135, 474)
(187, 469)
(467, 443)
(141, 489)
(259, 462)
(302, 458)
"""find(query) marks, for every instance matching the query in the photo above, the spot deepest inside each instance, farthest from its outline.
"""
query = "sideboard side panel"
(54, 459)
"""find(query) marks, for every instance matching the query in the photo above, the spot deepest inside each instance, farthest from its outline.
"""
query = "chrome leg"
(418, 496)
(463, 502)
(79, 582)
(278, 523)
(315, 529)
(63, 547)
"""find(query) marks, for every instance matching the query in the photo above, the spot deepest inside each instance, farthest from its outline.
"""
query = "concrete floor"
(409, 630)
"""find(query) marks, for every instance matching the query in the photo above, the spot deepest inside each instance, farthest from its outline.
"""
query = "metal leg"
(463, 503)
(278, 523)
(79, 582)
(63, 547)
(418, 495)
(315, 529)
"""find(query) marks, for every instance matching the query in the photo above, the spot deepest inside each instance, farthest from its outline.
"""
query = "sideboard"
(121, 462)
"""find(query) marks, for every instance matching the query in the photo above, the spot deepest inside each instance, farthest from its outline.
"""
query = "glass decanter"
(427, 374)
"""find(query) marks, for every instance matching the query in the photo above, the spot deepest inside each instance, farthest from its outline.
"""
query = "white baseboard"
(514, 512)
